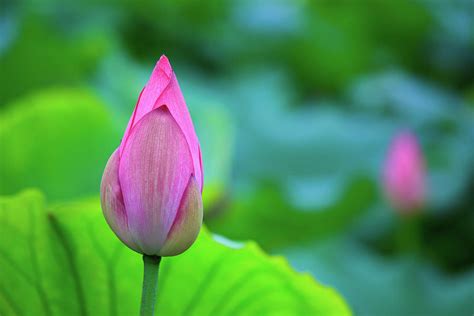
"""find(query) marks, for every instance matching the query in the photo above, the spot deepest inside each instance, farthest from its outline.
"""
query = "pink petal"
(154, 171)
(404, 173)
(187, 222)
(112, 202)
(163, 89)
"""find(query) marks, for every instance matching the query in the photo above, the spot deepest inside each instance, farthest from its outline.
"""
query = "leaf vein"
(67, 247)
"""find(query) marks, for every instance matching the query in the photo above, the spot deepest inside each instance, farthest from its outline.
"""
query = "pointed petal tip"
(164, 65)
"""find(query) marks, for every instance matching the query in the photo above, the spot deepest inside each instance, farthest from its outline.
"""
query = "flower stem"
(409, 235)
(150, 284)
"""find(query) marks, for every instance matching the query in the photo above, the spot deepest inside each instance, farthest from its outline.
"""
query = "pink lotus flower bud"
(151, 187)
(404, 174)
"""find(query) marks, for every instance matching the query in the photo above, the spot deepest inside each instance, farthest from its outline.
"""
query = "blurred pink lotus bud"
(404, 174)
(151, 187)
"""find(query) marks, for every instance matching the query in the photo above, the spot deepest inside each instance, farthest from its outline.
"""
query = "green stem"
(150, 284)
(409, 235)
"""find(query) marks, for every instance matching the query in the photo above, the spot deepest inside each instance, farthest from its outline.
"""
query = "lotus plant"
(152, 184)
(404, 183)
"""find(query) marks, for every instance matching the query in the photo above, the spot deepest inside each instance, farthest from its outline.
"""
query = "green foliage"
(382, 32)
(40, 56)
(275, 223)
(416, 286)
(64, 259)
(216, 134)
(57, 140)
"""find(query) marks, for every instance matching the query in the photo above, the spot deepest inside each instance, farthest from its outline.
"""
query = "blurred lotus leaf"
(45, 57)
(264, 216)
(405, 285)
(56, 140)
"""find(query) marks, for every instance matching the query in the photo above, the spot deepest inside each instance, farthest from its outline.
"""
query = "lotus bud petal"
(152, 184)
(404, 174)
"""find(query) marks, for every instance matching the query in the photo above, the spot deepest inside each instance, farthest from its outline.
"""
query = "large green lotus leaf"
(64, 260)
(266, 216)
(57, 140)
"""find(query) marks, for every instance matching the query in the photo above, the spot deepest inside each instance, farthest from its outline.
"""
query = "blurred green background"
(295, 104)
